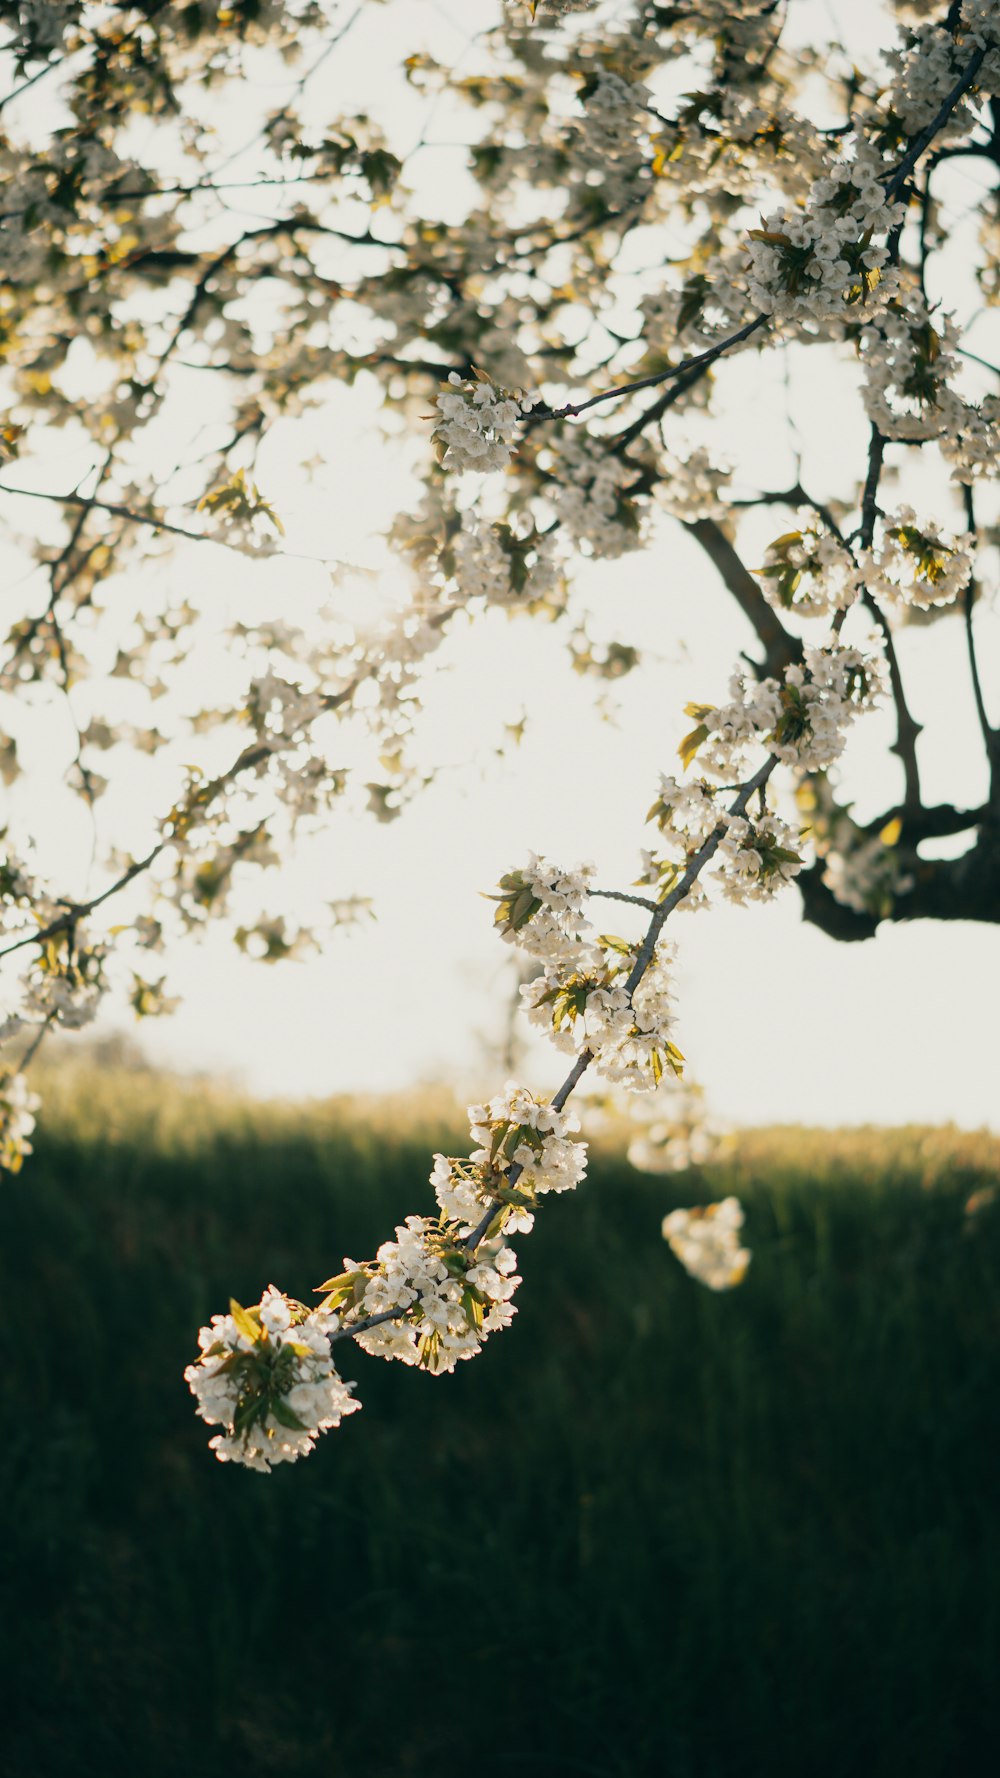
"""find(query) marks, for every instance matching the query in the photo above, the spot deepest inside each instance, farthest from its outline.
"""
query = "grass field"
(650, 1533)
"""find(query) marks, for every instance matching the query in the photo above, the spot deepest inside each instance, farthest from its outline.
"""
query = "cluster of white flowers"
(585, 1006)
(682, 1135)
(917, 563)
(668, 1131)
(540, 908)
(810, 572)
(524, 1149)
(926, 67)
(821, 699)
(687, 813)
(864, 870)
(706, 1240)
(610, 144)
(616, 116)
(687, 810)
(17, 1119)
(803, 718)
(817, 264)
(478, 423)
(68, 994)
(868, 877)
(581, 998)
(691, 486)
(711, 303)
(265, 1376)
(491, 562)
(756, 858)
(909, 358)
(443, 1300)
(588, 495)
(972, 445)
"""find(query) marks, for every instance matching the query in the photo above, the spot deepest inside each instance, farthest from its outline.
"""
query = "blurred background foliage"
(651, 1531)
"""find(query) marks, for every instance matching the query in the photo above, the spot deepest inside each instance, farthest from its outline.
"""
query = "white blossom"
(590, 494)
(706, 1240)
(523, 1148)
(826, 260)
(540, 908)
(915, 563)
(478, 423)
(587, 1008)
(443, 1300)
(810, 572)
(17, 1119)
(265, 1376)
(756, 857)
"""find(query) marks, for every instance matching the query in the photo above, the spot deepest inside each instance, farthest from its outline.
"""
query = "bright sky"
(777, 1021)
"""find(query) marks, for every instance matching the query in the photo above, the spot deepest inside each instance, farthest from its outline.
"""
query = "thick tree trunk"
(965, 888)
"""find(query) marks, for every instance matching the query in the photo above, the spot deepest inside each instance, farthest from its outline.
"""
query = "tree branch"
(700, 361)
(779, 646)
(643, 959)
(991, 735)
(907, 727)
(899, 177)
(639, 901)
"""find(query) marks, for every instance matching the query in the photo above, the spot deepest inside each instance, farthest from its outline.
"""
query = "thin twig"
(700, 361)
(639, 901)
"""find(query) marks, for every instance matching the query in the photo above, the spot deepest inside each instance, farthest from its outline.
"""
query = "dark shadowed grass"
(651, 1531)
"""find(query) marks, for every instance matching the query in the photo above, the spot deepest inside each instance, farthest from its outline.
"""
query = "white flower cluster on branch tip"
(265, 1376)
(502, 566)
(825, 261)
(692, 486)
(582, 999)
(910, 359)
(757, 858)
(524, 1149)
(925, 67)
(590, 494)
(17, 1119)
(707, 1242)
(810, 572)
(540, 908)
(914, 562)
(803, 718)
(444, 1301)
(478, 423)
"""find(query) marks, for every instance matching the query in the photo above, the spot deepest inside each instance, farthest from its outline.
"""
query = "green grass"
(650, 1533)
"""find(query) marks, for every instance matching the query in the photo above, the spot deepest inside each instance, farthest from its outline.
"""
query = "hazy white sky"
(777, 1021)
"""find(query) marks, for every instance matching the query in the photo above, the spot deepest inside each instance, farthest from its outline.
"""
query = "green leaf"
(286, 1416)
(691, 743)
(248, 1327)
(343, 1280)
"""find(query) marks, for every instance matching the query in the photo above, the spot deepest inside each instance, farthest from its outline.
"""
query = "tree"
(650, 207)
